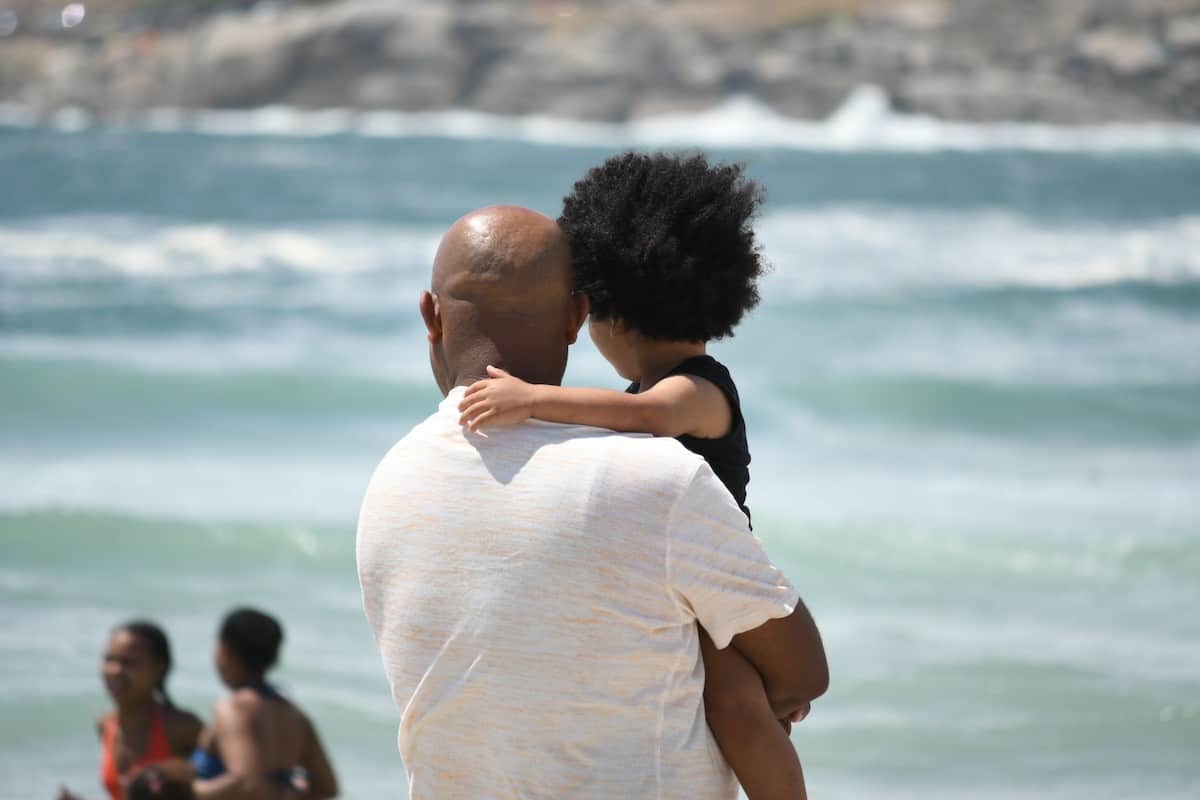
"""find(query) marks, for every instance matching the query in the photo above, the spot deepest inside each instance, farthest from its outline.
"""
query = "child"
(664, 249)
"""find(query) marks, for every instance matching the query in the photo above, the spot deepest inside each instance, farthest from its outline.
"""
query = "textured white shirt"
(534, 592)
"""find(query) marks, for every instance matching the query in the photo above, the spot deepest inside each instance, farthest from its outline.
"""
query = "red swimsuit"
(158, 748)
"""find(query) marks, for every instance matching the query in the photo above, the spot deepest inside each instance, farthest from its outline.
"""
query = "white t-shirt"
(534, 592)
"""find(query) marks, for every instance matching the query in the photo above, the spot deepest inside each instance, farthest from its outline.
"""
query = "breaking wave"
(864, 122)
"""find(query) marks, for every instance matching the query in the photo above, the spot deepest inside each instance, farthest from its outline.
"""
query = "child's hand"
(796, 716)
(498, 400)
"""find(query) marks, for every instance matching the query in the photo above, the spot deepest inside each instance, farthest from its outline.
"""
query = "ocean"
(972, 391)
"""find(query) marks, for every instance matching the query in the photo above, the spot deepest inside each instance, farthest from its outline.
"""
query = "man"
(535, 590)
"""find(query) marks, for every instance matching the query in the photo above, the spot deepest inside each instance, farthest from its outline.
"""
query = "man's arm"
(746, 728)
(790, 657)
(720, 570)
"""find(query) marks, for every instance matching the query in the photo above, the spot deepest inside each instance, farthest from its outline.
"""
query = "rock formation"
(1062, 61)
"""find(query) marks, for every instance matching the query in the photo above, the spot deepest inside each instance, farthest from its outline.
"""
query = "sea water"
(972, 391)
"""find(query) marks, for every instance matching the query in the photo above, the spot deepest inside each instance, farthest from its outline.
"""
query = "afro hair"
(664, 243)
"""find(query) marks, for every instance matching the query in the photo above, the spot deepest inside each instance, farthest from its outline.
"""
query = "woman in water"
(260, 744)
(145, 729)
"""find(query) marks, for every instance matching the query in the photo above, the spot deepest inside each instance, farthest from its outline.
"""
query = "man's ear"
(580, 306)
(431, 312)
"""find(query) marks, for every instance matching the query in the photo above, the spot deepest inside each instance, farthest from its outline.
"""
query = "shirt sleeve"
(717, 569)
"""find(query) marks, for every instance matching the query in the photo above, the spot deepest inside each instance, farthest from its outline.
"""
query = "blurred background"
(972, 388)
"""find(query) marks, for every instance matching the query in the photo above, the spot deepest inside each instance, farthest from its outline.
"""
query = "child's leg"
(752, 740)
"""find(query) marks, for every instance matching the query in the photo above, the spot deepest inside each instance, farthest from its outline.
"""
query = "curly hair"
(664, 243)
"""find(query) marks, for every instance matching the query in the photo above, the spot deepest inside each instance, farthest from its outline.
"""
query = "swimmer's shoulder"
(183, 730)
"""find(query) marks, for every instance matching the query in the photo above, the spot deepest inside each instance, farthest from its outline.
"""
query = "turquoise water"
(973, 391)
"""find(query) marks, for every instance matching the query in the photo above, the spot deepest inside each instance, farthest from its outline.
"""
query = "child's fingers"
(496, 372)
(476, 387)
(469, 413)
(474, 405)
(472, 401)
(468, 406)
(482, 418)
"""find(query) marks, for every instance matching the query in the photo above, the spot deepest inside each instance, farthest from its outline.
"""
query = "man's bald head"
(501, 295)
(504, 258)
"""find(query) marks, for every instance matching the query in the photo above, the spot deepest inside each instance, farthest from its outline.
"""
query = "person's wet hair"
(665, 244)
(254, 637)
(155, 639)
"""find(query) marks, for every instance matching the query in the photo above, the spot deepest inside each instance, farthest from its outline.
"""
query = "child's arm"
(753, 741)
(677, 405)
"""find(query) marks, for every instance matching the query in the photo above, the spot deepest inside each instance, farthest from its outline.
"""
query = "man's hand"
(498, 400)
(790, 658)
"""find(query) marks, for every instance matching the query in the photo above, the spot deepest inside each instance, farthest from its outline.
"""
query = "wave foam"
(81, 246)
(865, 121)
(852, 250)
(815, 251)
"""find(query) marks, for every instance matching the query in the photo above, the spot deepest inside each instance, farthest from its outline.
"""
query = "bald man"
(535, 589)
(501, 295)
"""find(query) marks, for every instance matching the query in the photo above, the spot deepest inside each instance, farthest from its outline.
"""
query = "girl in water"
(664, 249)
(145, 729)
(260, 744)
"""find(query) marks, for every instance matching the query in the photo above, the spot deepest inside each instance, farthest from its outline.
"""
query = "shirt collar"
(451, 401)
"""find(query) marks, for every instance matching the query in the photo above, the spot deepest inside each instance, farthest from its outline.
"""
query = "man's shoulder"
(654, 460)
(658, 449)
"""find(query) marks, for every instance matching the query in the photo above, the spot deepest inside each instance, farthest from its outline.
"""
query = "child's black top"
(729, 456)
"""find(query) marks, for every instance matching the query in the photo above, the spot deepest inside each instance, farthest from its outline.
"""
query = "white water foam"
(814, 251)
(342, 298)
(864, 122)
(817, 252)
(83, 246)
(321, 487)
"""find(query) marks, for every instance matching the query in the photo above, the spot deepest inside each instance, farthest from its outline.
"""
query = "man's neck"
(468, 376)
(530, 373)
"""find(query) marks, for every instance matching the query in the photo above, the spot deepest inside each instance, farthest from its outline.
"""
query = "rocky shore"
(1059, 61)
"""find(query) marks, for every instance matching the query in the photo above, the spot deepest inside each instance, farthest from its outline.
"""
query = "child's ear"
(431, 313)
(580, 306)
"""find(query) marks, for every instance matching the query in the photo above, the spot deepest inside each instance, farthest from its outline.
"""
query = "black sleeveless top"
(729, 456)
